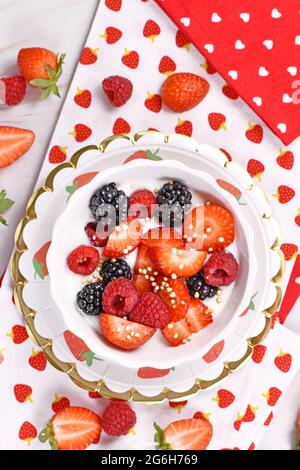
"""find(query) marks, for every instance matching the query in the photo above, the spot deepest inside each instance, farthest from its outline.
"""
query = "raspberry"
(119, 297)
(96, 239)
(141, 202)
(150, 311)
(117, 89)
(221, 269)
(83, 260)
(118, 418)
(15, 89)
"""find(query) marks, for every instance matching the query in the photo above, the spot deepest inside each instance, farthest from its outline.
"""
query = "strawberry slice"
(124, 333)
(124, 239)
(14, 142)
(141, 284)
(185, 434)
(144, 263)
(177, 333)
(163, 236)
(198, 315)
(73, 428)
(209, 228)
(176, 262)
(176, 296)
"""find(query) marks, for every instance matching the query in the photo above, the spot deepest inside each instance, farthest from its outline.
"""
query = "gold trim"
(69, 367)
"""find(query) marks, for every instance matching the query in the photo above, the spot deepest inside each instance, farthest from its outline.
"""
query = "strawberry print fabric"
(135, 39)
(255, 46)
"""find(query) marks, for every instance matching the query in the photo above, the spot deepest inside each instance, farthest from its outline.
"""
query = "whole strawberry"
(41, 68)
(183, 91)
(117, 89)
(118, 418)
(12, 90)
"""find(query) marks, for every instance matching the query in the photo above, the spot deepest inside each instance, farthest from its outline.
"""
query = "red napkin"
(255, 46)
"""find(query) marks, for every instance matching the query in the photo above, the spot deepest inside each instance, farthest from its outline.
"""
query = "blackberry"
(112, 269)
(109, 206)
(174, 200)
(89, 299)
(197, 285)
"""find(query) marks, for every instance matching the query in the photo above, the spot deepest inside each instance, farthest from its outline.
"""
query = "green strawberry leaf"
(89, 357)
(41, 83)
(251, 305)
(3, 221)
(5, 202)
(153, 156)
(159, 438)
(38, 268)
(55, 90)
(71, 189)
(45, 94)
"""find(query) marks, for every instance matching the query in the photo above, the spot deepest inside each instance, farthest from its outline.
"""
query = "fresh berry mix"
(199, 288)
(174, 200)
(96, 238)
(141, 203)
(14, 90)
(118, 418)
(120, 297)
(221, 269)
(109, 206)
(150, 311)
(113, 269)
(83, 260)
(117, 89)
(89, 299)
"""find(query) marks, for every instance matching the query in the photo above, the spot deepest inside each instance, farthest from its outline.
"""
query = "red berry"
(23, 393)
(255, 168)
(224, 398)
(57, 154)
(184, 127)
(112, 35)
(114, 5)
(119, 297)
(283, 361)
(118, 418)
(130, 59)
(221, 269)
(141, 203)
(217, 121)
(60, 403)
(183, 91)
(229, 92)
(123, 240)
(27, 432)
(285, 159)
(141, 284)
(83, 98)
(117, 89)
(14, 90)
(96, 238)
(38, 360)
(198, 315)
(182, 40)
(175, 295)
(81, 132)
(269, 419)
(289, 250)
(150, 310)
(153, 103)
(18, 334)
(254, 133)
(88, 56)
(95, 395)
(272, 395)
(284, 194)
(258, 354)
(121, 126)
(166, 65)
(83, 260)
(151, 30)
(177, 333)
(123, 333)
(173, 262)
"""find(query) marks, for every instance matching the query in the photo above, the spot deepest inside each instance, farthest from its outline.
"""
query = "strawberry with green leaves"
(39, 261)
(145, 154)
(80, 181)
(79, 349)
(5, 204)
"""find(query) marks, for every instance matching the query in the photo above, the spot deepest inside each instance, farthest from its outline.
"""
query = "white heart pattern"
(239, 44)
(209, 47)
(282, 127)
(262, 72)
(286, 98)
(245, 17)
(268, 43)
(215, 18)
(297, 40)
(257, 100)
(185, 21)
(233, 74)
(275, 13)
(292, 70)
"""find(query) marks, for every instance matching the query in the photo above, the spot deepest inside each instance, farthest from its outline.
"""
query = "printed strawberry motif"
(255, 168)
(178, 405)
(285, 159)
(289, 250)
(121, 126)
(79, 181)
(229, 157)
(145, 154)
(38, 360)
(272, 395)
(60, 403)
(250, 414)
(81, 132)
(208, 67)
(130, 59)
(79, 349)
(269, 419)
(114, 5)
(254, 133)
(18, 334)
(274, 320)
(88, 56)
(27, 432)
(2, 355)
(229, 92)
(23, 393)
(39, 261)
(166, 65)
(58, 154)
(83, 98)
(217, 121)
(151, 30)
(258, 353)
(153, 102)
(251, 306)
(152, 373)
(214, 352)
(297, 218)
(95, 395)
(224, 398)
(111, 35)
(284, 194)
(184, 127)
(182, 40)
(238, 422)
(252, 446)
(283, 361)
(236, 192)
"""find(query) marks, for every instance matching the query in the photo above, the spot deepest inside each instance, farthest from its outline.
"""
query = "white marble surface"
(62, 26)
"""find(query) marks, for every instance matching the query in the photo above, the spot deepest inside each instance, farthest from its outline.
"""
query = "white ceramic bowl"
(68, 233)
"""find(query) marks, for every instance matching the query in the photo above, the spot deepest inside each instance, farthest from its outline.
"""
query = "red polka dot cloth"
(255, 46)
